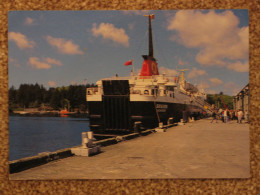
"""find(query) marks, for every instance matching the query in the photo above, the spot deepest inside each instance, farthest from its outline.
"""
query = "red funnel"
(149, 68)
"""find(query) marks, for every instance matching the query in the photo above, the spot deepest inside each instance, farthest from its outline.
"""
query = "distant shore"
(47, 114)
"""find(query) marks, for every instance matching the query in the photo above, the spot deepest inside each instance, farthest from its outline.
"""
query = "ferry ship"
(121, 104)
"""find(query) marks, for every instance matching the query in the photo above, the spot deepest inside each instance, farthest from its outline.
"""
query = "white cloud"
(168, 71)
(109, 32)
(217, 35)
(239, 66)
(194, 73)
(53, 61)
(52, 83)
(203, 85)
(21, 40)
(46, 63)
(29, 21)
(215, 82)
(35, 63)
(14, 62)
(231, 88)
(64, 46)
(182, 63)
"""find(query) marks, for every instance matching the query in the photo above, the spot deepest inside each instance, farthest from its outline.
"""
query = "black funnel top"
(150, 39)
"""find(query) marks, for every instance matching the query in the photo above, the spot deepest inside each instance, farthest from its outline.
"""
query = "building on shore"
(241, 101)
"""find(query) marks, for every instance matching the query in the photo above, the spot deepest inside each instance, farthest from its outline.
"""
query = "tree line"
(37, 96)
(220, 100)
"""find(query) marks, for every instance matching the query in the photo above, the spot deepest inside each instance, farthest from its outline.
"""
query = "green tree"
(12, 98)
(35, 95)
(55, 101)
(23, 96)
(65, 103)
(210, 99)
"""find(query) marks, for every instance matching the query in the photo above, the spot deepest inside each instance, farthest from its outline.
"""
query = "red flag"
(128, 63)
(151, 16)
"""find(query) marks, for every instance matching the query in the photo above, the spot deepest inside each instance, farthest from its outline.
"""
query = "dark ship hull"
(118, 114)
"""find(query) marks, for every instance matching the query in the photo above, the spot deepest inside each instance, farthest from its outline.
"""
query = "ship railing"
(173, 79)
(153, 78)
(204, 103)
(145, 77)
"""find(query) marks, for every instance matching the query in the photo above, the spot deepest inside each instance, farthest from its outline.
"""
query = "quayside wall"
(46, 157)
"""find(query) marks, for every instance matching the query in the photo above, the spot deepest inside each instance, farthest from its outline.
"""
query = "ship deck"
(196, 150)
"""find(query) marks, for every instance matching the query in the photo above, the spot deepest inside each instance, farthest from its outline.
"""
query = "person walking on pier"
(231, 114)
(214, 115)
(236, 115)
(225, 116)
(239, 116)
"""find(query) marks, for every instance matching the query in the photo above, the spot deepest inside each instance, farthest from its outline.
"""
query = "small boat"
(64, 113)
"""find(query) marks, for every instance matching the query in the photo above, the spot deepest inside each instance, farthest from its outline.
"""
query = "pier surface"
(195, 150)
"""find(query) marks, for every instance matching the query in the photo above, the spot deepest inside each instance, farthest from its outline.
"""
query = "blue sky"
(59, 48)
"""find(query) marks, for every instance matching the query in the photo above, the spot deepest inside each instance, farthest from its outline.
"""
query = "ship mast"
(150, 36)
(150, 39)
(182, 74)
(149, 67)
(182, 81)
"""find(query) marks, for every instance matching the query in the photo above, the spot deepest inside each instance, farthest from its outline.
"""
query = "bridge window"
(136, 92)
(146, 92)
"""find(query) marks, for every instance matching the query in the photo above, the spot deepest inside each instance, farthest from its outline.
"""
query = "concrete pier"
(195, 150)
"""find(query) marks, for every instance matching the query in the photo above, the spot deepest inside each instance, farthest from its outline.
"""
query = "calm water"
(29, 136)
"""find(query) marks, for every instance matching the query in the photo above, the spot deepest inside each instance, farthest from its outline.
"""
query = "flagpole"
(133, 69)
(130, 62)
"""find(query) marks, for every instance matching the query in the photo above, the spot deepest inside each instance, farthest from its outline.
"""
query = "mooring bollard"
(137, 126)
(181, 122)
(160, 128)
(85, 140)
(161, 125)
(90, 135)
(170, 121)
(88, 146)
